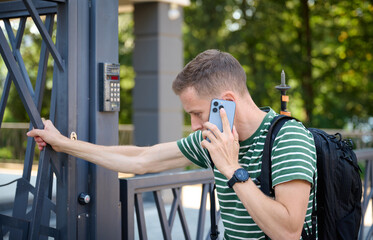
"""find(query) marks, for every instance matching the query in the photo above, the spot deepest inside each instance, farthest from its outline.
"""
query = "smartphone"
(216, 105)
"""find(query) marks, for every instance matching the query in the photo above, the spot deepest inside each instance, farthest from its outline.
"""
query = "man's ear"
(229, 96)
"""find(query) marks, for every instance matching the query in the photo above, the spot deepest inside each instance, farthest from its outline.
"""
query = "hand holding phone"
(214, 117)
(229, 107)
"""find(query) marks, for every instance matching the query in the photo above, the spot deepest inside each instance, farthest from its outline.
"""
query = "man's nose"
(196, 124)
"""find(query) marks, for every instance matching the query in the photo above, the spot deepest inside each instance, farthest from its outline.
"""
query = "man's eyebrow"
(194, 111)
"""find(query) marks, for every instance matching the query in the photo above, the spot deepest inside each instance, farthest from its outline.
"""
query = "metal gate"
(76, 57)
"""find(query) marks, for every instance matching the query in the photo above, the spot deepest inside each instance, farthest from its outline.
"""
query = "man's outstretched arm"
(127, 159)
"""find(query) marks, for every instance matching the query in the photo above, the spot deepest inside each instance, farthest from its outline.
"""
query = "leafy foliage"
(325, 48)
(127, 74)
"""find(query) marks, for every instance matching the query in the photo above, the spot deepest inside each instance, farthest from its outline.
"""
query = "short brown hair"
(210, 73)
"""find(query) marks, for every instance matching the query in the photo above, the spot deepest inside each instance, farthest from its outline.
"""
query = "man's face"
(197, 107)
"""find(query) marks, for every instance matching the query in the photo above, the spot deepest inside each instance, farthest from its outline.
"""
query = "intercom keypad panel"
(110, 87)
(114, 92)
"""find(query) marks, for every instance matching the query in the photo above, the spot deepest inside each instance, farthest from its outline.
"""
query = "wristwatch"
(240, 175)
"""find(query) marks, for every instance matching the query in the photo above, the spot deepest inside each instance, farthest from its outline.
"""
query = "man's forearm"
(279, 219)
(105, 156)
(127, 159)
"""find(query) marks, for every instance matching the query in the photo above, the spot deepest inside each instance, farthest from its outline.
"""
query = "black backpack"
(339, 188)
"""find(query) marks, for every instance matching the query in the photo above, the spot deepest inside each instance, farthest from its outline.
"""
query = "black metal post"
(284, 98)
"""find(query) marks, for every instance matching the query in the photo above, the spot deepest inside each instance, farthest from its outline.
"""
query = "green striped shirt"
(293, 157)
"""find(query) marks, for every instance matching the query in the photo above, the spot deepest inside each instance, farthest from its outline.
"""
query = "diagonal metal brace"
(44, 33)
(40, 193)
(19, 82)
(15, 43)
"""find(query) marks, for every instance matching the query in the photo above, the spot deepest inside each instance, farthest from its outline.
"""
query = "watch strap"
(232, 181)
(234, 178)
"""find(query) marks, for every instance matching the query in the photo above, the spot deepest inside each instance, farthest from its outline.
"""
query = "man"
(246, 212)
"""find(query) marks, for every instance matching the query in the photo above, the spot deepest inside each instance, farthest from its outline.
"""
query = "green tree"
(323, 46)
(127, 74)
(342, 60)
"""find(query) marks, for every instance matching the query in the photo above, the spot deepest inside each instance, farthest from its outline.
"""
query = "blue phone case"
(214, 117)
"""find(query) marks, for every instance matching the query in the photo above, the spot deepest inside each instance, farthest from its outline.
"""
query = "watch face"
(241, 174)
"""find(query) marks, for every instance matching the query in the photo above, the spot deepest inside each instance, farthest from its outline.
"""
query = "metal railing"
(131, 190)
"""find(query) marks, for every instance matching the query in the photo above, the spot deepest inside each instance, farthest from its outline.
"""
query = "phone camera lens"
(221, 106)
(214, 110)
(216, 103)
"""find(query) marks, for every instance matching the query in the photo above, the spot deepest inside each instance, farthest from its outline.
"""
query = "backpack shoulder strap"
(265, 178)
(214, 232)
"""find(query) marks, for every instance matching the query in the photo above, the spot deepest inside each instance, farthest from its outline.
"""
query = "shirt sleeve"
(192, 149)
(293, 154)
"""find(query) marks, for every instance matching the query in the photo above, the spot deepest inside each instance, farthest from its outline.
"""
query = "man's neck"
(248, 120)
